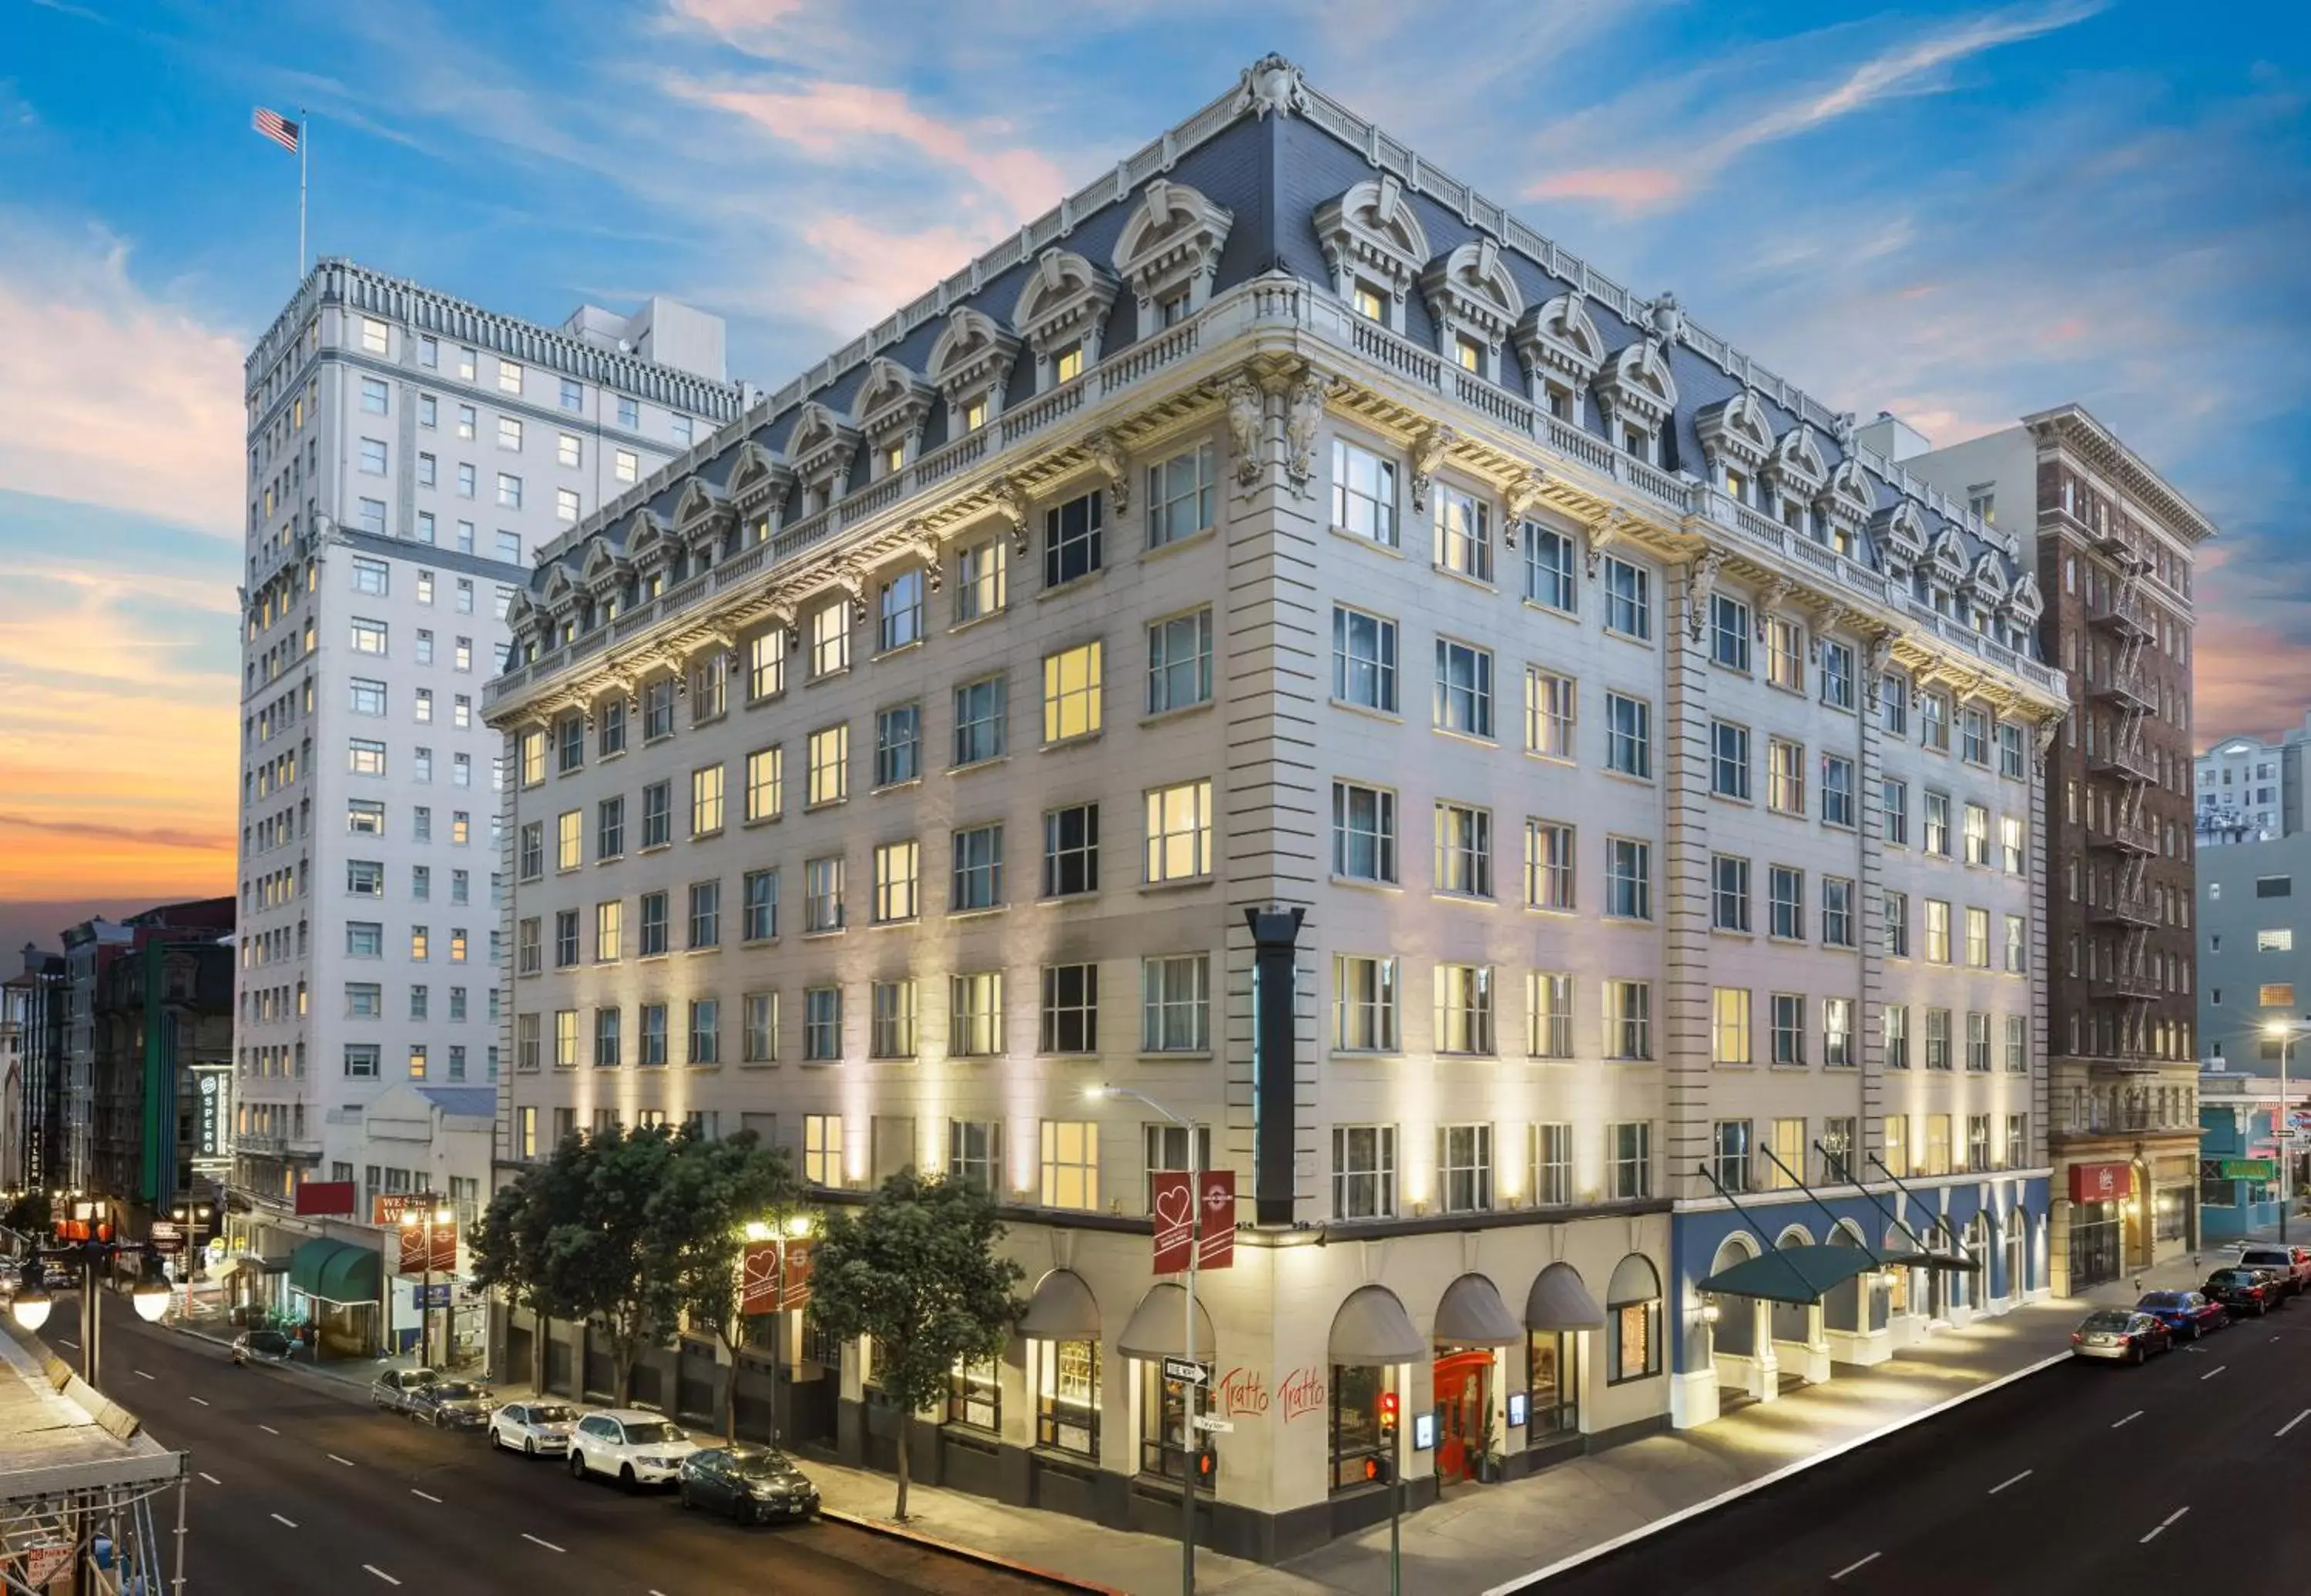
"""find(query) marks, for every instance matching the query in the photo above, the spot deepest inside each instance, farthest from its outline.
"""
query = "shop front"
(2100, 1194)
(335, 1294)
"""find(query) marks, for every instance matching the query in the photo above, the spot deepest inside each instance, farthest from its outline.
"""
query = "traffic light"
(1205, 1462)
(1388, 1411)
(1379, 1471)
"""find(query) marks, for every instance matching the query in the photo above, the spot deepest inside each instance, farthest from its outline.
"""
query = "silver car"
(534, 1429)
(396, 1391)
(2121, 1335)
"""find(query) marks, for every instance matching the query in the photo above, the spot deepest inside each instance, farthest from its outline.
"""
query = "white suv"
(635, 1447)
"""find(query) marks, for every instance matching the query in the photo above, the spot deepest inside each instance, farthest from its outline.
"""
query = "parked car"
(2120, 1334)
(2186, 1315)
(752, 1484)
(2292, 1263)
(452, 1404)
(634, 1447)
(532, 1428)
(395, 1389)
(261, 1347)
(2243, 1291)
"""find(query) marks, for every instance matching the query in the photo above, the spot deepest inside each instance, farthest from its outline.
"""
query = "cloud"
(857, 124)
(117, 397)
(1689, 163)
(204, 841)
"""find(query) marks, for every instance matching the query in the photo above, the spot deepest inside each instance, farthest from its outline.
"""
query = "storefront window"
(2167, 1212)
(973, 1396)
(1361, 1439)
(1633, 1320)
(1163, 1446)
(1066, 1375)
(1551, 1385)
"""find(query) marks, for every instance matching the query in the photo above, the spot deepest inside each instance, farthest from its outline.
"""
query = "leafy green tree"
(508, 1249)
(916, 1269)
(717, 1188)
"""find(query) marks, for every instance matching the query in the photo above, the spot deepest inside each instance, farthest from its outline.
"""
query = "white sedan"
(533, 1428)
(634, 1447)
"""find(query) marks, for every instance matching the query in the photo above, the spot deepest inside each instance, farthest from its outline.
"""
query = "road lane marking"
(141, 1375)
(268, 1429)
(204, 1401)
(334, 1458)
(291, 1522)
(1850, 1567)
(416, 1491)
(381, 1574)
(212, 1479)
(2163, 1524)
(2291, 1423)
(548, 1544)
(2129, 1420)
(2217, 1369)
(2002, 1484)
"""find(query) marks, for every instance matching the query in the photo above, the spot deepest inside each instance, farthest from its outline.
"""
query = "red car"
(2189, 1314)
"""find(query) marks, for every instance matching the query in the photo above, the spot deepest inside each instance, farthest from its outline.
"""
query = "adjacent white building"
(408, 454)
(2250, 789)
(1526, 784)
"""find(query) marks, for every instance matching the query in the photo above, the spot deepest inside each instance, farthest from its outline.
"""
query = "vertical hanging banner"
(443, 1240)
(1172, 1200)
(414, 1251)
(795, 1292)
(1216, 1220)
(758, 1278)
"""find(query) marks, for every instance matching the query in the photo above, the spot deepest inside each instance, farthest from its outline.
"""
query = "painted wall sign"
(1302, 1393)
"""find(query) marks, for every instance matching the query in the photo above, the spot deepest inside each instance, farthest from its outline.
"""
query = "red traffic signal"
(1388, 1410)
(1205, 1461)
(1377, 1472)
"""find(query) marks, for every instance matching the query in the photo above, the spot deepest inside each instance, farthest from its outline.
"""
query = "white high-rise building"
(407, 452)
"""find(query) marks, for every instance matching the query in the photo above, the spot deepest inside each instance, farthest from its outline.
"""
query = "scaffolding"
(86, 1504)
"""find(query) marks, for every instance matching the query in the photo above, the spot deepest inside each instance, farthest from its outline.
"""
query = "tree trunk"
(537, 1356)
(906, 1422)
(731, 1397)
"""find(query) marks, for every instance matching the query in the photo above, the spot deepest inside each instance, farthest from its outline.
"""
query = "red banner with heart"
(758, 1278)
(1172, 1200)
(1216, 1220)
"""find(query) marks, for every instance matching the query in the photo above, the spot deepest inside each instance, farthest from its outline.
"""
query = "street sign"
(436, 1296)
(1189, 1370)
(44, 1563)
(167, 1236)
(1216, 1426)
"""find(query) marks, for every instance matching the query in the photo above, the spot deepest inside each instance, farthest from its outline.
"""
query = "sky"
(1959, 213)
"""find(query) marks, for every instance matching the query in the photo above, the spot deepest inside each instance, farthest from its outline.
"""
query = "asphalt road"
(2185, 1474)
(299, 1488)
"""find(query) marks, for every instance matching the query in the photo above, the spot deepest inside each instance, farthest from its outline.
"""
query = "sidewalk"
(355, 1375)
(1483, 1536)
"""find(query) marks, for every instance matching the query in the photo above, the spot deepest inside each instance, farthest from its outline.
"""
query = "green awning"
(1798, 1274)
(336, 1271)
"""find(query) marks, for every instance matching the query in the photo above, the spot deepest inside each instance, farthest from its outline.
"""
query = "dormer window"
(1172, 309)
(894, 459)
(1169, 252)
(1558, 399)
(974, 415)
(1371, 303)
(1063, 308)
(1068, 364)
(1738, 486)
(1469, 353)
(1637, 442)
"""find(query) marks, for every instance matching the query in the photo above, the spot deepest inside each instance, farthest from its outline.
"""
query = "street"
(2086, 1477)
(298, 1488)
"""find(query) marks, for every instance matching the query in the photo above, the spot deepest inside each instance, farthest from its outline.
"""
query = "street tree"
(915, 1269)
(716, 1190)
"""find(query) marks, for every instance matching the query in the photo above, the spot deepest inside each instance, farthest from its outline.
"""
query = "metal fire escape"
(2123, 969)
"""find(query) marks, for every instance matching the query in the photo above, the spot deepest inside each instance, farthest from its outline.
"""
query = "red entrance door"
(1463, 1398)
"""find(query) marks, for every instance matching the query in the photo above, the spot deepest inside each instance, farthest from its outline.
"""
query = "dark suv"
(2243, 1291)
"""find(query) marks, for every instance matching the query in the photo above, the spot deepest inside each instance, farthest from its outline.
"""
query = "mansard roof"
(1274, 176)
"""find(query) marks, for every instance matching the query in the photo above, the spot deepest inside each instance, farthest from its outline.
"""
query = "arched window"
(1169, 252)
(1633, 1307)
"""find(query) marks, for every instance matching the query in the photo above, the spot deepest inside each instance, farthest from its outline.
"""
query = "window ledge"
(706, 949)
(1189, 883)
(821, 935)
(833, 803)
(1074, 584)
(896, 650)
(1481, 584)
(981, 912)
(706, 836)
(1551, 609)
(1393, 550)
(836, 675)
(1165, 717)
(1611, 774)
(1079, 740)
(715, 719)
(1185, 540)
(655, 847)
(762, 820)
(978, 764)
(1180, 1057)
(758, 942)
(1466, 736)
(890, 787)
(907, 922)
(758, 1063)
(1390, 716)
(996, 613)
(765, 700)
(1365, 884)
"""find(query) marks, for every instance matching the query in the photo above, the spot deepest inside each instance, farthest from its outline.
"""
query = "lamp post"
(1187, 1341)
(149, 1296)
(2284, 1032)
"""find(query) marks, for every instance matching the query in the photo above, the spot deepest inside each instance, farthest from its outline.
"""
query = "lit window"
(1071, 688)
(1179, 832)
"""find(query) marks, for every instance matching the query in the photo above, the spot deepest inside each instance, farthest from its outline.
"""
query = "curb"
(1605, 1548)
(1046, 1577)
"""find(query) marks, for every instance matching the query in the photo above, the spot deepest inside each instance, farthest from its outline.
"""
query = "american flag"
(275, 126)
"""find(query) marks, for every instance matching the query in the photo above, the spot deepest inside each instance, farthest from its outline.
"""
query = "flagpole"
(304, 138)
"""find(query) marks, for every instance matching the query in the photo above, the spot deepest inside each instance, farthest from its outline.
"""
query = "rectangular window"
(1069, 1022)
(2013, 760)
(1933, 722)
(1364, 493)
(1464, 1168)
(1628, 878)
(1182, 496)
(366, 697)
(657, 709)
(1179, 662)
(1729, 895)
(1838, 675)
(830, 639)
(1071, 539)
(606, 1039)
(890, 1020)
(982, 572)
(978, 882)
(1549, 1015)
(1071, 693)
(565, 939)
(1549, 580)
(1837, 790)
(368, 637)
(1894, 807)
(1179, 832)
(823, 894)
(1629, 1019)
(1464, 534)
(1785, 655)
(822, 1024)
(365, 756)
(1070, 1164)
(1938, 931)
(1977, 938)
(1977, 1041)
(821, 1149)
(975, 1015)
(1552, 1165)
(1938, 824)
(657, 814)
(1729, 632)
(1729, 759)
(1464, 1009)
(830, 765)
(1548, 865)
(1630, 1152)
(1789, 1030)
(2017, 1044)
(766, 664)
(1550, 702)
(1976, 825)
(1364, 660)
(1628, 736)
(1464, 688)
(1364, 1004)
(1837, 1033)
(705, 914)
(1071, 850)
(979, 720)
(1785, 902)
(1786, 776)
(706, 801)
(1938, 1039)
(1363, 1171)
(1628, 598)
(899, 612)
(895, 881)
(1364, 832)
(1729, 1159)
(1973, 737)
(761, 909)
(1729, 1027)
(1837, 916)
(762, 1017)
(1175, 1001)
(975, 1156)
(649, 1035)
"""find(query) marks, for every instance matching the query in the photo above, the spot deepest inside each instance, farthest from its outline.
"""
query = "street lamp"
(150, 1298)
(1099, 1094)
(31, 1308)
(2284, 1032)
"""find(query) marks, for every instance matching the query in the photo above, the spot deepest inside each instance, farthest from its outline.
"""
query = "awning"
(1559, 1301)
(1061, 1310)
(337, 1272)
(1472, 1314)
(1803, 1274)
(1372, 1327)
(1157, 1326)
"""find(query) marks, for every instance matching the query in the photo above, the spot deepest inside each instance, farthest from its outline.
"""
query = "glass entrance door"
(1463, 1399)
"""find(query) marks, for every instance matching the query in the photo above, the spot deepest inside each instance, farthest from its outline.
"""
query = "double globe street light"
(33, 1305)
